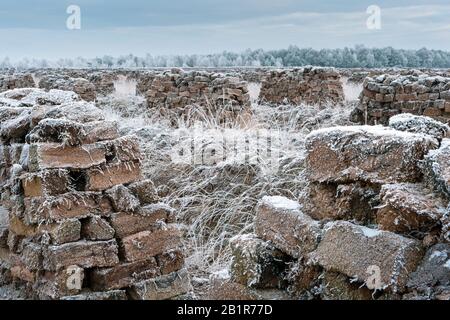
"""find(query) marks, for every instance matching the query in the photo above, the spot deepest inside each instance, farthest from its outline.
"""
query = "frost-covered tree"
(359, 56)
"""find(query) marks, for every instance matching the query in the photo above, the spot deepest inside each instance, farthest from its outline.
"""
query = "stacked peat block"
(272, 258)
(309, 85)
(143, 79)
(388, 95)
(403, 211)
(82, 224)
(176, 92)
(15, 80)
(103, 81)
(377, 201)
(83, 87)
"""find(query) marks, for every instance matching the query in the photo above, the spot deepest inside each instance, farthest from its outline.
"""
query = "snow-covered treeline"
(359, 56)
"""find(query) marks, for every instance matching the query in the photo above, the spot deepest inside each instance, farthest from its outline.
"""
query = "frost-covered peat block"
(16, 80)
(372, 154)
(83, 254)
(282, 222)
(436, 169)
(51, 156)
(419, 124)
(162, 287)
(256, 263)
(147, 218)
(433, 272)
(124, 274)
(409, 208)
(358, 251)
(310, 85)
(387, 95)
(150, 243)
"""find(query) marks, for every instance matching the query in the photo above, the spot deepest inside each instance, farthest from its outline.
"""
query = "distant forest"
(358, 57)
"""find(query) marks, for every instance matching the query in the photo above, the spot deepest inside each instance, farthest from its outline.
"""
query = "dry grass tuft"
(215, 198)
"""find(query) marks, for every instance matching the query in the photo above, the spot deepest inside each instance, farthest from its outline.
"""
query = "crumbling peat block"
(52, 156)
(64, 231)
(14, 242)
(64, 282)
(17, 127)
(147, 244)
(124, 274)
(147, 219)
(354, 201)
(145, 191)
(9, 81)
(419, 124)
(436, 167)
(107, 176)
(301, 278)
(45, 183)
(22, 273)
(96, 228)
(339, 287)
(31, 256)
(123, 149)
(372, 154)
(14, 153)
(60, 131)
(11, 112)
(68, 230)
(122, 199)
(281, 221)
(434, 271)
(409, 208)
(380, 259)
(256, 263)
(84, 254)
(69, 205)
(162, 287)
(170, 261)
(79, 111)
(100, 131)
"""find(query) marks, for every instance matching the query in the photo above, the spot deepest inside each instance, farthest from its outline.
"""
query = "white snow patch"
(377, 130)
(370, 233)
(281, 202)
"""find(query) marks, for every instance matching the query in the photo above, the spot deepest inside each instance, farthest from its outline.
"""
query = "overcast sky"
(37, 28)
